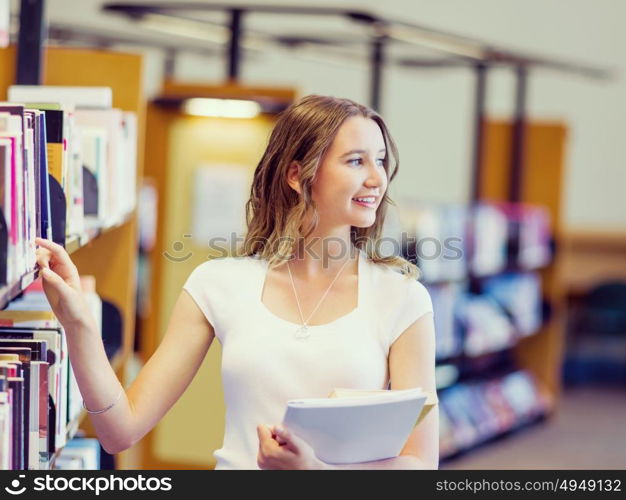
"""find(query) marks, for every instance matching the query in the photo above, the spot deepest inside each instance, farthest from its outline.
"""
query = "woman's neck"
(319, 256)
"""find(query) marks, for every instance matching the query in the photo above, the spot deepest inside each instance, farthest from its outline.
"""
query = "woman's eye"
(359, 161)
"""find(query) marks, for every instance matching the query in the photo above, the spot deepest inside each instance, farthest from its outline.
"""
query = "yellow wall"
(194, 427)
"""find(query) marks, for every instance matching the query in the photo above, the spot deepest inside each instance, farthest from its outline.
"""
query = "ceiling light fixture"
(223, 108)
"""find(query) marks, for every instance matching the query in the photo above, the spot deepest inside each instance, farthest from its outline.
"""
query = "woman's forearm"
(99, 385)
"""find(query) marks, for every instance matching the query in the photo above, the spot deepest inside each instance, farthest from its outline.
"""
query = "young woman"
(307, 304)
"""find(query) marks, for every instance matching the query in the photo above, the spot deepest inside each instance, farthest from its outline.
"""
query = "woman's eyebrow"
(360, 151)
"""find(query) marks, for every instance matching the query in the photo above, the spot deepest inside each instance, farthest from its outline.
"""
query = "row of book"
(67, 163)
(509, 307)
(450, 242)
(39, 395)
(472, 413)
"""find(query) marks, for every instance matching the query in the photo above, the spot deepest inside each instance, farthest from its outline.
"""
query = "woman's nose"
(376, 176)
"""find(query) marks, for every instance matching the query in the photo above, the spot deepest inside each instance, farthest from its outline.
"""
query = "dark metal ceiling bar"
(234, 45)
(30, 41)
(479, 130)
(169, 64)
(377, 63)
(425, 63)
(170, 8)
(516, 180)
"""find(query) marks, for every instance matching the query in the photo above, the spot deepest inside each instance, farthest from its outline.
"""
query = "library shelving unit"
(539, 183)
(193, 428)
(542, 184)
(110, 255)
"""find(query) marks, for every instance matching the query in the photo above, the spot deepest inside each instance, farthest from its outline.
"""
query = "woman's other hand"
(61, 282)
(282, 450)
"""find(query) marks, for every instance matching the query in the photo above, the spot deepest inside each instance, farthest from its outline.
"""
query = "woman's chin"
(363, 222)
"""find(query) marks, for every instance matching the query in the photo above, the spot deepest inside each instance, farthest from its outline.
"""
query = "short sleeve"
(414, 303)
(198, 285)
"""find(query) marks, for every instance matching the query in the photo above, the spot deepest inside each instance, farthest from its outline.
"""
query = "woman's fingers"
(263, 432)
(43, 257)
(55, 249)
(56, 258)
(51, 277)
(276, 435)
(284, 437)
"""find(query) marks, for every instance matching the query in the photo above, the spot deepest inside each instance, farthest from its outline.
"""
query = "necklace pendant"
(303, 332)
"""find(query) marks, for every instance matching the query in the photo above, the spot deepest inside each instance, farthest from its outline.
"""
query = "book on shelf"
(488, 240)
(5, 421)
(15, 202)
(535, 250)
(351, 426)
(12, 445)
(29, 450)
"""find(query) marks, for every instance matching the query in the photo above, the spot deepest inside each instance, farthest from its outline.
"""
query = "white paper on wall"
(220, 193)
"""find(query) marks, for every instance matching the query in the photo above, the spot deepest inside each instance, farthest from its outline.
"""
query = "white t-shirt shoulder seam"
(210, 285)
(408, 297)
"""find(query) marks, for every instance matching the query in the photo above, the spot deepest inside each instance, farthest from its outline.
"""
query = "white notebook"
(352, 426)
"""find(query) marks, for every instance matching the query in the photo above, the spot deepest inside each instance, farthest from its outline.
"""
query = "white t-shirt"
(264, 363)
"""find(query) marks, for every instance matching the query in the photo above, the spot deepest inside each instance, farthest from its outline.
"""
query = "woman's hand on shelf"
(61, 282)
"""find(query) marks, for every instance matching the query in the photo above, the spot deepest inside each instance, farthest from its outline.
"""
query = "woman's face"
(352, 168)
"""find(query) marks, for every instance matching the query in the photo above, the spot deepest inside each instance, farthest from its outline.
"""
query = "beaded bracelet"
(108, 407)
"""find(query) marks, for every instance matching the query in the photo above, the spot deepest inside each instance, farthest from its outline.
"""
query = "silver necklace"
(303, 331)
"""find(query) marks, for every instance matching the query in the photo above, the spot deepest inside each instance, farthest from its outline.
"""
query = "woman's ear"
(293, 176)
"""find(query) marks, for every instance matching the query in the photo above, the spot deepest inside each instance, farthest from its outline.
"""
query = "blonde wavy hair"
(276, 213)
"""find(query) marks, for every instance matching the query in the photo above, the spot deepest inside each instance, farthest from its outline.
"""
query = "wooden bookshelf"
(110, 255)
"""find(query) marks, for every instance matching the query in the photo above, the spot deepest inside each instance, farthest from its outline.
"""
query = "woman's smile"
(367, 202)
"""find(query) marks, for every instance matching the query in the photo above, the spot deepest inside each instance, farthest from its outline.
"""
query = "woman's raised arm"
(159, 383)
